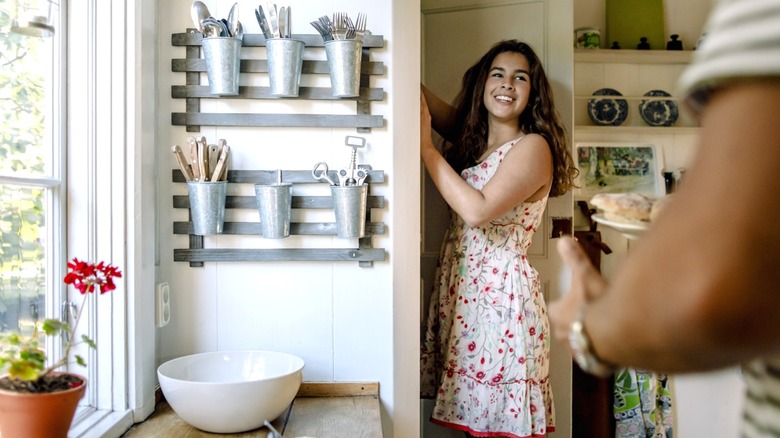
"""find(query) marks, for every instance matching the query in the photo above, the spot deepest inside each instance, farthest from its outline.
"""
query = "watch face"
(582, 354)
(578, 344)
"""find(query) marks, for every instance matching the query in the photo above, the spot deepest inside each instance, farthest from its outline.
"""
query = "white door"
(455, 34)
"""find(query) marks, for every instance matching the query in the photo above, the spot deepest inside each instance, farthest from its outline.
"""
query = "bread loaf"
(624, 207)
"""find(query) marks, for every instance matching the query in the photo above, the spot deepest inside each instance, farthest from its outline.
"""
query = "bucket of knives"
(223, 62)
(285, 61)
(207, 206)
(349, 206)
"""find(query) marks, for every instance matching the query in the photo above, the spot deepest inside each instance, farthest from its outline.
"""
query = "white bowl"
(230, 391)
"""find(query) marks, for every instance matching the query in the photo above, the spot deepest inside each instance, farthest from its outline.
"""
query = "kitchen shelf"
(593, 129)
(194, 66)
(608, 56)
(196, 254)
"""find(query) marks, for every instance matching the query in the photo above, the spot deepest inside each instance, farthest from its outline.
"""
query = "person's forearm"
(442, 114)
(700, 289)
(460, 196)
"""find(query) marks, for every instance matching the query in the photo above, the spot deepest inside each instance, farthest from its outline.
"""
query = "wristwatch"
(582, 351)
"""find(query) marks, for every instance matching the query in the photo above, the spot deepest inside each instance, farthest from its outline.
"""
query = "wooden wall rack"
(193, 65)
(197, 254)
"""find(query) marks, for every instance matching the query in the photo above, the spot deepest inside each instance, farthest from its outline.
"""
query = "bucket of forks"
(344, 57)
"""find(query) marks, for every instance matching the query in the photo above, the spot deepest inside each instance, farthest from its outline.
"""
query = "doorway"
(454, 36)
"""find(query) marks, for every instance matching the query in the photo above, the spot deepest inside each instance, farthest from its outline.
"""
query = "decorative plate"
(658, 112)
(607, 112)
(630, 231)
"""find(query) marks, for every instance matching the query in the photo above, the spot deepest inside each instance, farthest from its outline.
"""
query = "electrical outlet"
(163, 307)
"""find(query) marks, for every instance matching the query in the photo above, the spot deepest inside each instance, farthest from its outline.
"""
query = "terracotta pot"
(46, 415)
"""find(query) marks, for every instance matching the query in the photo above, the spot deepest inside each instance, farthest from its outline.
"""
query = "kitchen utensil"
(283, 22)
(328, 24)
(339, 26)
(196, 175)
(199, 12)
(350, 27)
(219, 168)
(232, 20)
(203, 158)
(322, 30)
(351, 175)
(222, 144)
(360, 26)
(289, 21)
(273, 20)
(274, 433)
(185, 167)
(263, 22)
(323, 173)
(215, 28)
(212, 161)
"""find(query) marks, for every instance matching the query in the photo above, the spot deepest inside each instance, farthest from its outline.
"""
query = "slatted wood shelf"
(197, 254)
(193, 65)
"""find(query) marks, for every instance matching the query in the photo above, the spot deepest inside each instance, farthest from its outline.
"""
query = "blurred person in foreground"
(701, 289)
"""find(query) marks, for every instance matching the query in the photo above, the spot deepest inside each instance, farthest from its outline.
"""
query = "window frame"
(111, 180)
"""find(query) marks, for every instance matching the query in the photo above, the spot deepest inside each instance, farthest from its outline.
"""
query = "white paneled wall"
(337, 316)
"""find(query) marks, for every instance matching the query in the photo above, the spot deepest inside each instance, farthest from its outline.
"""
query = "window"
(106, 129)
(30, 176)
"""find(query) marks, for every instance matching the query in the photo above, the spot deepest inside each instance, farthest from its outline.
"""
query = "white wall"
(685, 18)
(337, 316)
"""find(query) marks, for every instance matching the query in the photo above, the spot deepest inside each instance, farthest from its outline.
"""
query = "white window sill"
(101, 424)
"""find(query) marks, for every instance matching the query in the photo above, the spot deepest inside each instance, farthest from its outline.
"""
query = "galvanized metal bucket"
(275, 205)
(349, 205)
(344, 57)
(207, 206)
(285, 60)
(223, 62)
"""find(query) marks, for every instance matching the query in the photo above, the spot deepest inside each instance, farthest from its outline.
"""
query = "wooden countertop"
(321, 410)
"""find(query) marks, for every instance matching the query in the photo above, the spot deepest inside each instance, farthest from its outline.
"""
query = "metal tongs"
(273, 433)
(353, 175)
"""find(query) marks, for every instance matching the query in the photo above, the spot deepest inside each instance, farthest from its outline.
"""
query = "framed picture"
(618, 168)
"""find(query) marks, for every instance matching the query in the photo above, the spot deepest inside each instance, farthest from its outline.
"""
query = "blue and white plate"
(659, 112)
(607, 112)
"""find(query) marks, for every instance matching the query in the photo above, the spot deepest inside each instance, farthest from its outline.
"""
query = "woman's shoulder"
(529, 143)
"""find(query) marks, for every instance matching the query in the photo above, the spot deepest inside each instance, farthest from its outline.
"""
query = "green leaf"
(88, 341)
(80, 360)
(24, 370)
(54, 326)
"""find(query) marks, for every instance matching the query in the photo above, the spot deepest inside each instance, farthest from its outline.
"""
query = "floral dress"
(485, 347)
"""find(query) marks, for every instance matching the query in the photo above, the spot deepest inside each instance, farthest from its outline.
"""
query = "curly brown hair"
(539, 117)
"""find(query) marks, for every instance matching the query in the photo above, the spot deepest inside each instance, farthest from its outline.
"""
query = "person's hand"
(426, 139)
(586, 284)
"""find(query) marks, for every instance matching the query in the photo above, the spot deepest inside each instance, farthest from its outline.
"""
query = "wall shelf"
(608, 56)
(196, 254)
(194, 67)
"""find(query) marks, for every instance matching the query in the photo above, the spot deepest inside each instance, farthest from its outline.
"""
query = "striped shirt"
(742, 43)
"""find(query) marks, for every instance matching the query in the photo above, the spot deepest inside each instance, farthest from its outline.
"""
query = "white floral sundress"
(486, 344)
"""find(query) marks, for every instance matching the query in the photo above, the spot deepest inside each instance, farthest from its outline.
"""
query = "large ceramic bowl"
(230, 391)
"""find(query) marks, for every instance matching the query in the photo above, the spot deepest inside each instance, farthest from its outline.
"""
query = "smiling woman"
(485, 355)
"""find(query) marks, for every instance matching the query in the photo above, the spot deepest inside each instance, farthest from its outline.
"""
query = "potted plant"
(36, 400)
